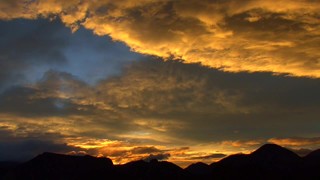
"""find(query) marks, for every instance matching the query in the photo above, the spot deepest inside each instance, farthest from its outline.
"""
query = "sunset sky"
(177, 80)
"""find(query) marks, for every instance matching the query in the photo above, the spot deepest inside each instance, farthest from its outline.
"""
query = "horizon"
(270, 161)
(150, 158)
(176, 80)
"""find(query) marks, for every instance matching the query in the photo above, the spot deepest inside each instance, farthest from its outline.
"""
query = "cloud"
(122, 152)
(251, 36)
(157, 157)
(31, 105)
(162, 102)
(15, 146)
(145, 150)
(168, 95)
(156, 106)
(27, 149)
(211, 156)
(29, 48)
(243, 143)
(302, 151)
(26, 51)
(296, 142)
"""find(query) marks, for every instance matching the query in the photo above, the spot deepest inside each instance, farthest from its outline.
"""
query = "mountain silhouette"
(311, 165)
(315, 155)
(6, 166)
(59, 166)
(270, 161)
(274, 154)
(150, 170)
(198, 170)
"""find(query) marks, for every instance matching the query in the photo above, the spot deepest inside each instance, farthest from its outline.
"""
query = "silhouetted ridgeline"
(268, 162)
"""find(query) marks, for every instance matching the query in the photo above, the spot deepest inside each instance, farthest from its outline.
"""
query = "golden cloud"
(298, 142)
(278, 37)
(242, 143)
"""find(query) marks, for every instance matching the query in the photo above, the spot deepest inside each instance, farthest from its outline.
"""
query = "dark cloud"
(215, 105)
(15, 146)
(23, 101)
(157, 101)
(157, 157)
(145, 150)
(211, 156)
(27, 149)
(27, 46)
(30, 48)
(302, 151)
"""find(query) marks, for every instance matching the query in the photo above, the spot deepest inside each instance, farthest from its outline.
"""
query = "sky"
(177, 80)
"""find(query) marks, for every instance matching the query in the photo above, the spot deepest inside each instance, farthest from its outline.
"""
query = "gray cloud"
(157, 157)
(26, 149)
(154, 100)
(302, 151)
(16, 147)
(211, 156)
(215, 105)
(145, 150)
(22, 101)
(37, 44)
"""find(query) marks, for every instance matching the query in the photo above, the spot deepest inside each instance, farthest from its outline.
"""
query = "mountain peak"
(198, 168)
(269, 154)
(268, 149)
(313, 155)
(198, 165)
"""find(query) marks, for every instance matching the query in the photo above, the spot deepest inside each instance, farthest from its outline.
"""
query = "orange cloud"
(279, 37)
(300, 142)
(242, 143)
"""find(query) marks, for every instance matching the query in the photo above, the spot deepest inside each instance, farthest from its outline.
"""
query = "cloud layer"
(156, 107)
(250, 35)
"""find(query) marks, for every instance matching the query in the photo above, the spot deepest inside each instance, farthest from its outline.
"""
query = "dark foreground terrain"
(268, 162)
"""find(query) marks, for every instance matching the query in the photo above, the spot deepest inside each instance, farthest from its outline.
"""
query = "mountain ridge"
(270, 161)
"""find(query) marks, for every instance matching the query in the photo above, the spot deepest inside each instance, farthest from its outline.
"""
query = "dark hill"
(274, 154)
(311, 165)
(315, 155)
(198, 170)
(150, 170)
(234, 166)
(268, 162)
(275, 162)
(59, 166)
(6, 166)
